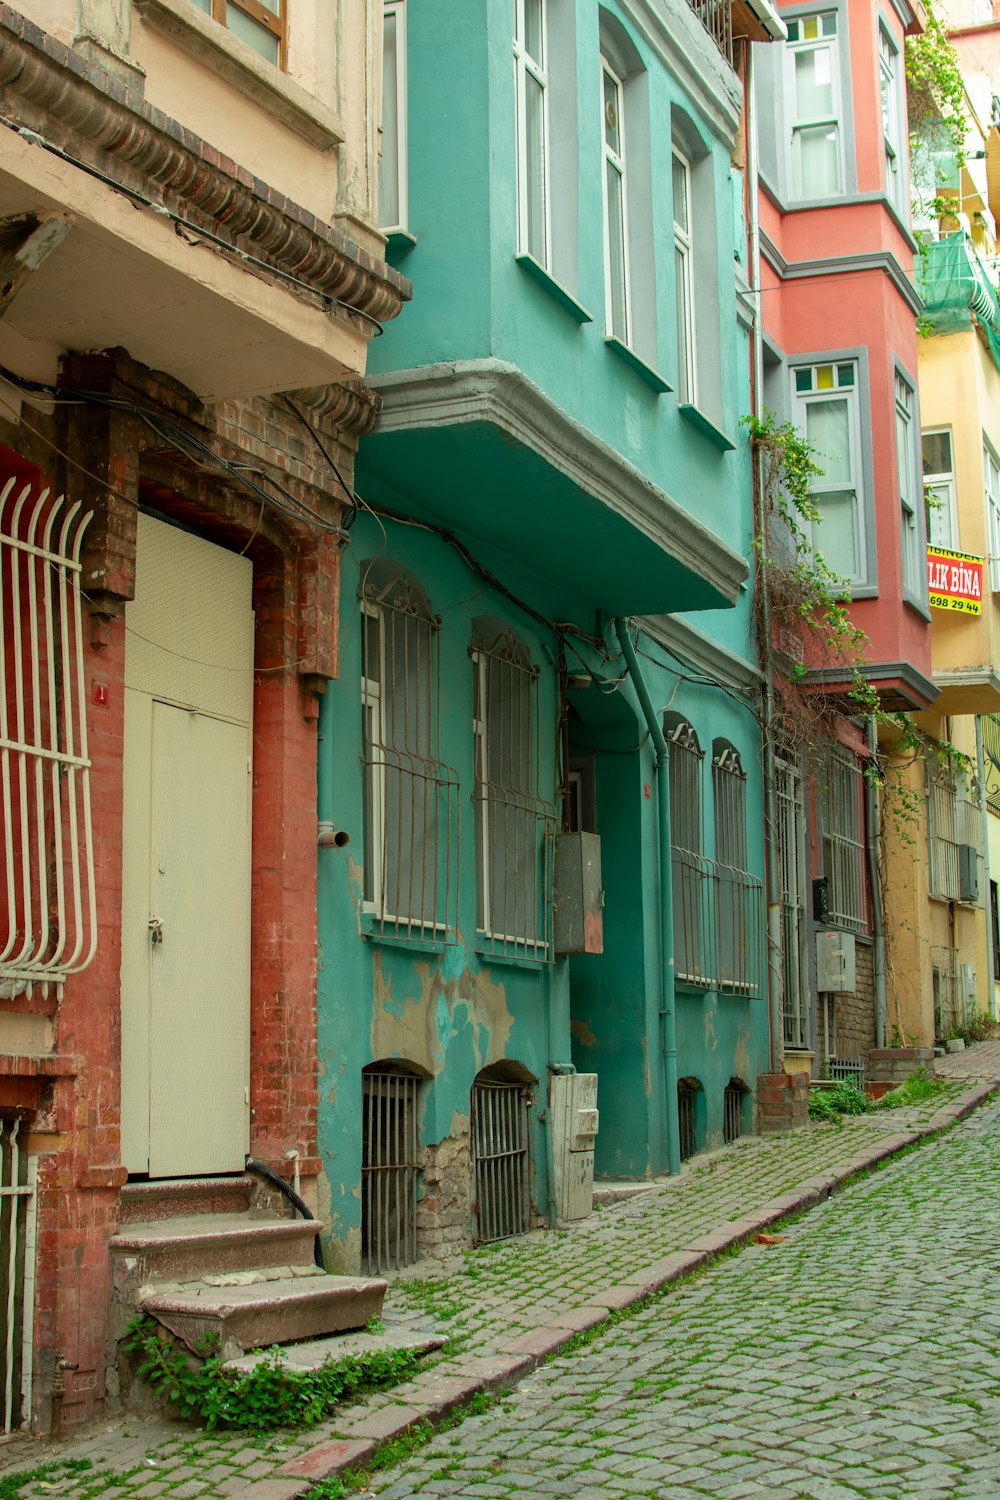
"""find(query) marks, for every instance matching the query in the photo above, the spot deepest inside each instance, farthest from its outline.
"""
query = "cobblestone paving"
(858, 1358)
(482, 1302)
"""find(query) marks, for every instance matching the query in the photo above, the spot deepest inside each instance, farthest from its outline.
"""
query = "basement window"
(390, 1168)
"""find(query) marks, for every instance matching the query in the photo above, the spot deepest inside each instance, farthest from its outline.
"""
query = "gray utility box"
(968, 874)
(835, 969)
(578, 900)
(574, 1117)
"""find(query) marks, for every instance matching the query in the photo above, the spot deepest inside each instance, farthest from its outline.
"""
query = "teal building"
(540, 783)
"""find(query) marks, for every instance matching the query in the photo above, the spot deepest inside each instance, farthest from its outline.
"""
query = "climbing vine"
(935, 93)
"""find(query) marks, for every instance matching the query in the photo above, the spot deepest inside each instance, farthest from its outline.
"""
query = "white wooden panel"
(135, 932)
(200, 1020)
(190, 627)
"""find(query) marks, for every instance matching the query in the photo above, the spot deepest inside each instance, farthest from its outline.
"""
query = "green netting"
(953, 283)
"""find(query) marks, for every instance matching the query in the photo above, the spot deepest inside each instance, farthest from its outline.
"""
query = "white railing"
(17, 1278)
(48, 925)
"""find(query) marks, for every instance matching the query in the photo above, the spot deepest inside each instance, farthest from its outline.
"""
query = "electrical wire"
(143, 200)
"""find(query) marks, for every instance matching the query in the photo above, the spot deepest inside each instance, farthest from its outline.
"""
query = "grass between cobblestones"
(504, 1289)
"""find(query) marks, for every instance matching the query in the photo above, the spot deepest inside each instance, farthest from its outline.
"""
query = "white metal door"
(186, 858)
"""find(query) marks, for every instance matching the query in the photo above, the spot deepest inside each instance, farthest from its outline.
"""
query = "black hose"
(276, 1180)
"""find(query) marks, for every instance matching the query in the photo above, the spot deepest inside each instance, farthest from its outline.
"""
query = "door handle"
(155, 930)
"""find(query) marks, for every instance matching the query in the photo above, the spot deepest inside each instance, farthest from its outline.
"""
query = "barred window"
(842, 820)
(690, 868)
(790, 818)
(410, 795)
(739, 895)
(515, 824)
(954, 833)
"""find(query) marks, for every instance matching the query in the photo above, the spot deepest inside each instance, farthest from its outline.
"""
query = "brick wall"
(855, 1025)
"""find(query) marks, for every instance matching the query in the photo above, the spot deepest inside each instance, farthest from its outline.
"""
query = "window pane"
(534, 113)
(828, 429)
(680, 185)
(836, 535)
(819, 162)
(205, 5)
(936, 452)
(255, 35)
(903, 458)
(616, 253)
(612, 133)
(683, 352)
(813, 83)
(939, 510)
(388, 179)
(533, 30)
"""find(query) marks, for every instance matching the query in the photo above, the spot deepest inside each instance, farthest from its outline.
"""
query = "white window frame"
(991, 486)
(798, 189)
(394, 12)
(895, 161)
(913, 575)
(822, 485)
(943, 487)
(687, 373)
(617, 162)
(533, 69)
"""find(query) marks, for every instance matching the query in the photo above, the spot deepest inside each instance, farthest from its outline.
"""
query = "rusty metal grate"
(500, 1159)
(17, 1277)
(389, 1169)
(732, 1111)
(687, 1105)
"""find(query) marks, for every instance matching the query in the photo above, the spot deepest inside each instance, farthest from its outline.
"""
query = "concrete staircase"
(208, 1255)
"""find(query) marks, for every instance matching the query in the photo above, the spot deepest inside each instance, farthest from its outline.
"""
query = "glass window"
(841, 803)
(992, 480)
(739, 915)
(692, 929)
(814, 106)
(826, 396)
(939, 489)
(392, 173)
(913, 571)
(888, 65)
(683, 267)
(259, 23)
(531, 93)
(616, 278)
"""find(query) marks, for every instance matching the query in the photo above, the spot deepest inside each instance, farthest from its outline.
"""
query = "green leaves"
(269, 1396)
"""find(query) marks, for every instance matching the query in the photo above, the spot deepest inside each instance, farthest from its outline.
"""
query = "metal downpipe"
(668, 1016)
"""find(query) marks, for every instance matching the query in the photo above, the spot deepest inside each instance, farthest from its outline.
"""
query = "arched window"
(410, 795)
(514, 823)
(629, 279)
(390, 1167)
(739, 900)
(692, 924)
(500, 1160)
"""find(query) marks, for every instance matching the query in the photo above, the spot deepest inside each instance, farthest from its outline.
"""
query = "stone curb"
(433, 1398)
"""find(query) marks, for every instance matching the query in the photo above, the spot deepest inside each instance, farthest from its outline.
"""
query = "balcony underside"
(968, 690)
(900, 687)
(480, 451)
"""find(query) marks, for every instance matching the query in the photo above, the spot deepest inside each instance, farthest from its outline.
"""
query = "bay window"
(814, 105)
(912, 564)
(827, 412)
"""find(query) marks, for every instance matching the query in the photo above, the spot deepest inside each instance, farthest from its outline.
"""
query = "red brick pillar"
(782, 1101)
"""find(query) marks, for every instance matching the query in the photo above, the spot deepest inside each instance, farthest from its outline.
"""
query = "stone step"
(181, 1248)
(310, 1356)
(142, 1202)
(277, 1312)
(606, 1193)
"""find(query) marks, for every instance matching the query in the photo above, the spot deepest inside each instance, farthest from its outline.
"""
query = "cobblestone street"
(859, 1357)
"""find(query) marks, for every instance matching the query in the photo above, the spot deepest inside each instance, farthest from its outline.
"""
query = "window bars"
(410, 795)
(790, 814)
(500, 1159)
(692, 884)
(739, 899)
(732, 1111)
(515, 825)
(390, 1168)
(843, 824)
(954, 833)
(17, 1276)
(687, 1096)
(48, 923)
(841, 1068)
(991, 752)
(949, 1007)
(717, 18)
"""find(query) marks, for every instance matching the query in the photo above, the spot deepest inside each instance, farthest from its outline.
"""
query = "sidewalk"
(506, 1307)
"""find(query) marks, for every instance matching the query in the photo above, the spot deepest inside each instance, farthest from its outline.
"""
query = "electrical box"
(574, 1116)
(969, 994)
(835, 968)
(968, 874)
(577, 897)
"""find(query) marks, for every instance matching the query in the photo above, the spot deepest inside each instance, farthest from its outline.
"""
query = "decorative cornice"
(493, 391)
(350, 406)
(98, 121)
(843, 265)
(723, 666)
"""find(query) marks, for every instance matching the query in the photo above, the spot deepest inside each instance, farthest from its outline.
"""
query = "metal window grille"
(48, 922)
(717, 18)
(790, 814)
(500, 1159)
(692, 872)
(739, 901)
(843, 825)
(515, 825)
(991, 754)
(732, 1111)
(954, 831)
(687, 1092)
(390, 1169)
(17, 1276)
(846, 1067)
(410, 795)
(949, 1010)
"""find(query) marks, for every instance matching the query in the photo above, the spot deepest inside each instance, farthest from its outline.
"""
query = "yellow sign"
(955, 581)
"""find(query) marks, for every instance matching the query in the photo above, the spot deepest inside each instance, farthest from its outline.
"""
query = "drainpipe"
(772, 863)
(668, 1017)
(878, 915)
